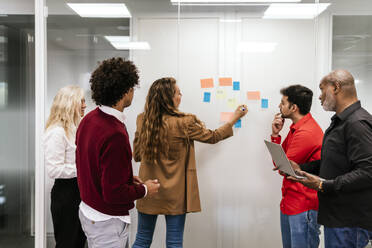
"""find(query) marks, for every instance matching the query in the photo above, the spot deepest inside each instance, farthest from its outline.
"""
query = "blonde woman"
(59, 148)
(164, 143)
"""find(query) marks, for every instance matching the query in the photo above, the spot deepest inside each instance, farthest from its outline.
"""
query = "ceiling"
(66, 30)
(76, 33)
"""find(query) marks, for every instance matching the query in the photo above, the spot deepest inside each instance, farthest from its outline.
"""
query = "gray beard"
(329, 103)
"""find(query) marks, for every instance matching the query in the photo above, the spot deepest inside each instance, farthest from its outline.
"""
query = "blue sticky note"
(238, 124)
(264, 103)
(236, 85)
(207, 97)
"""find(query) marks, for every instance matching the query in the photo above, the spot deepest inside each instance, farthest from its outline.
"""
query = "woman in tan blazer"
(164, 143)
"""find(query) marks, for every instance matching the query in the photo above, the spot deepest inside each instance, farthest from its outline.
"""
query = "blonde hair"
(66, 110)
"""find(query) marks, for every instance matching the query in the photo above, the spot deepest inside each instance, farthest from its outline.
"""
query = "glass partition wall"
(352, 49)
(222, 53)
(17, 124)
(249, 51)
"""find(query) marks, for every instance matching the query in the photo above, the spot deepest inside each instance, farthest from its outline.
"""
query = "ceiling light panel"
(235, 1)
(295, 11)
(124, 43)
(101, 10)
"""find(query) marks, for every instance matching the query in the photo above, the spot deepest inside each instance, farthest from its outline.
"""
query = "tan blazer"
(178, 192)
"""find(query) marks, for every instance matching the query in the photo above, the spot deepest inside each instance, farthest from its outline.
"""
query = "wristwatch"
(320, 187)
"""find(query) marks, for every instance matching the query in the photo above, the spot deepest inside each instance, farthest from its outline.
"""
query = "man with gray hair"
(343, 175)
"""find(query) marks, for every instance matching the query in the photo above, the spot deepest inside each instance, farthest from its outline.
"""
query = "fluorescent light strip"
(221, 4)
(116, 39)
(256, 47)
(101, 10)
(124, 43)
(295, 11)
(235, 1)
(131, 45)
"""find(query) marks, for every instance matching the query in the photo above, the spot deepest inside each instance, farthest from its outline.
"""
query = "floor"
(28, 242)
(19, 241)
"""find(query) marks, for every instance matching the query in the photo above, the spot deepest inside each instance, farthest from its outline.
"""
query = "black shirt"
(346, 166)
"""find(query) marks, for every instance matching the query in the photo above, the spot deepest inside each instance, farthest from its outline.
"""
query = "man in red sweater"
(107, 186)
(299, 205)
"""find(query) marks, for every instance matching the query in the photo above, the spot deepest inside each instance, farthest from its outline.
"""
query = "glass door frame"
(41, 13)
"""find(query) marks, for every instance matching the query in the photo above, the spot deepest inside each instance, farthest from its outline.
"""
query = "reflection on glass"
(17, 100)
(3, 94)
(352, 50)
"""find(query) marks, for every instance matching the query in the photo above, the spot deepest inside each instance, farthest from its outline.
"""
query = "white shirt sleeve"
(55, 148)
(144, 185)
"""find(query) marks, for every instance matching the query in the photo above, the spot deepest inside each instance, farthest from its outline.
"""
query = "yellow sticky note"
(226, 116)
(225, 81)
(253, 95)
(221, 94)
(232, 103)
(206, 83)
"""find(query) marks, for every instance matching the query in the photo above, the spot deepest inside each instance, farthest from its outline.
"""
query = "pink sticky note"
(253, 95)
(226, 116)
(225, 81)
(206, 83)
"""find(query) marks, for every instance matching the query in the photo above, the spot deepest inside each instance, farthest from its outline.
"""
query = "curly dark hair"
(112, 79)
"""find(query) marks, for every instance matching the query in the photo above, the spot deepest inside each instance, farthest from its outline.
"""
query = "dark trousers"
(65, 200)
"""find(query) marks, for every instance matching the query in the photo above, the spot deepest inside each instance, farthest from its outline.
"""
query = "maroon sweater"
(104, 165)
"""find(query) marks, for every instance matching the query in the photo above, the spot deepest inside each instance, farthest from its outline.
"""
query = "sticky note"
(207, 97)
(253, 95)
(225, 81)
(238, 124)
(236, 85)
(221, 94)
(226, 116)
(206, 83)
(264, 103)
(232, 103)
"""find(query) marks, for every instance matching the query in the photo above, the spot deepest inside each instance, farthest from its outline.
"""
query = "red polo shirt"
(302, 144)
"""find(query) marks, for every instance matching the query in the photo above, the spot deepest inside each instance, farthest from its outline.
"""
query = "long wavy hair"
(159, 104)
(66, 110)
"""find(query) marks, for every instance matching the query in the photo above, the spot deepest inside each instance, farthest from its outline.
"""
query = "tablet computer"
(280, 159)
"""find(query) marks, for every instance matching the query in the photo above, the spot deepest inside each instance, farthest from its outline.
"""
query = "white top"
(89, 212)
(59, 153)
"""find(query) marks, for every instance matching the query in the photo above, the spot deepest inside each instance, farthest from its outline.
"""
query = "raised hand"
(277, 124)
(240, 111)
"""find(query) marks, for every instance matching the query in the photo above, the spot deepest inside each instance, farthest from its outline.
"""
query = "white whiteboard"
(240, 195)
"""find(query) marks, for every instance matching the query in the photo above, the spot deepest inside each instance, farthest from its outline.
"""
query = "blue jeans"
(146, 227)
(345, 237)
(300, 230)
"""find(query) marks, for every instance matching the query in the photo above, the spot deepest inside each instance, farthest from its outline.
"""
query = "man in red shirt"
(299, 205)
(107, 186)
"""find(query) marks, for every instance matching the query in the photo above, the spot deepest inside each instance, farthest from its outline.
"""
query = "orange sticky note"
(226, 116)
(206, 83)
(225, 81)
(253, 95)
